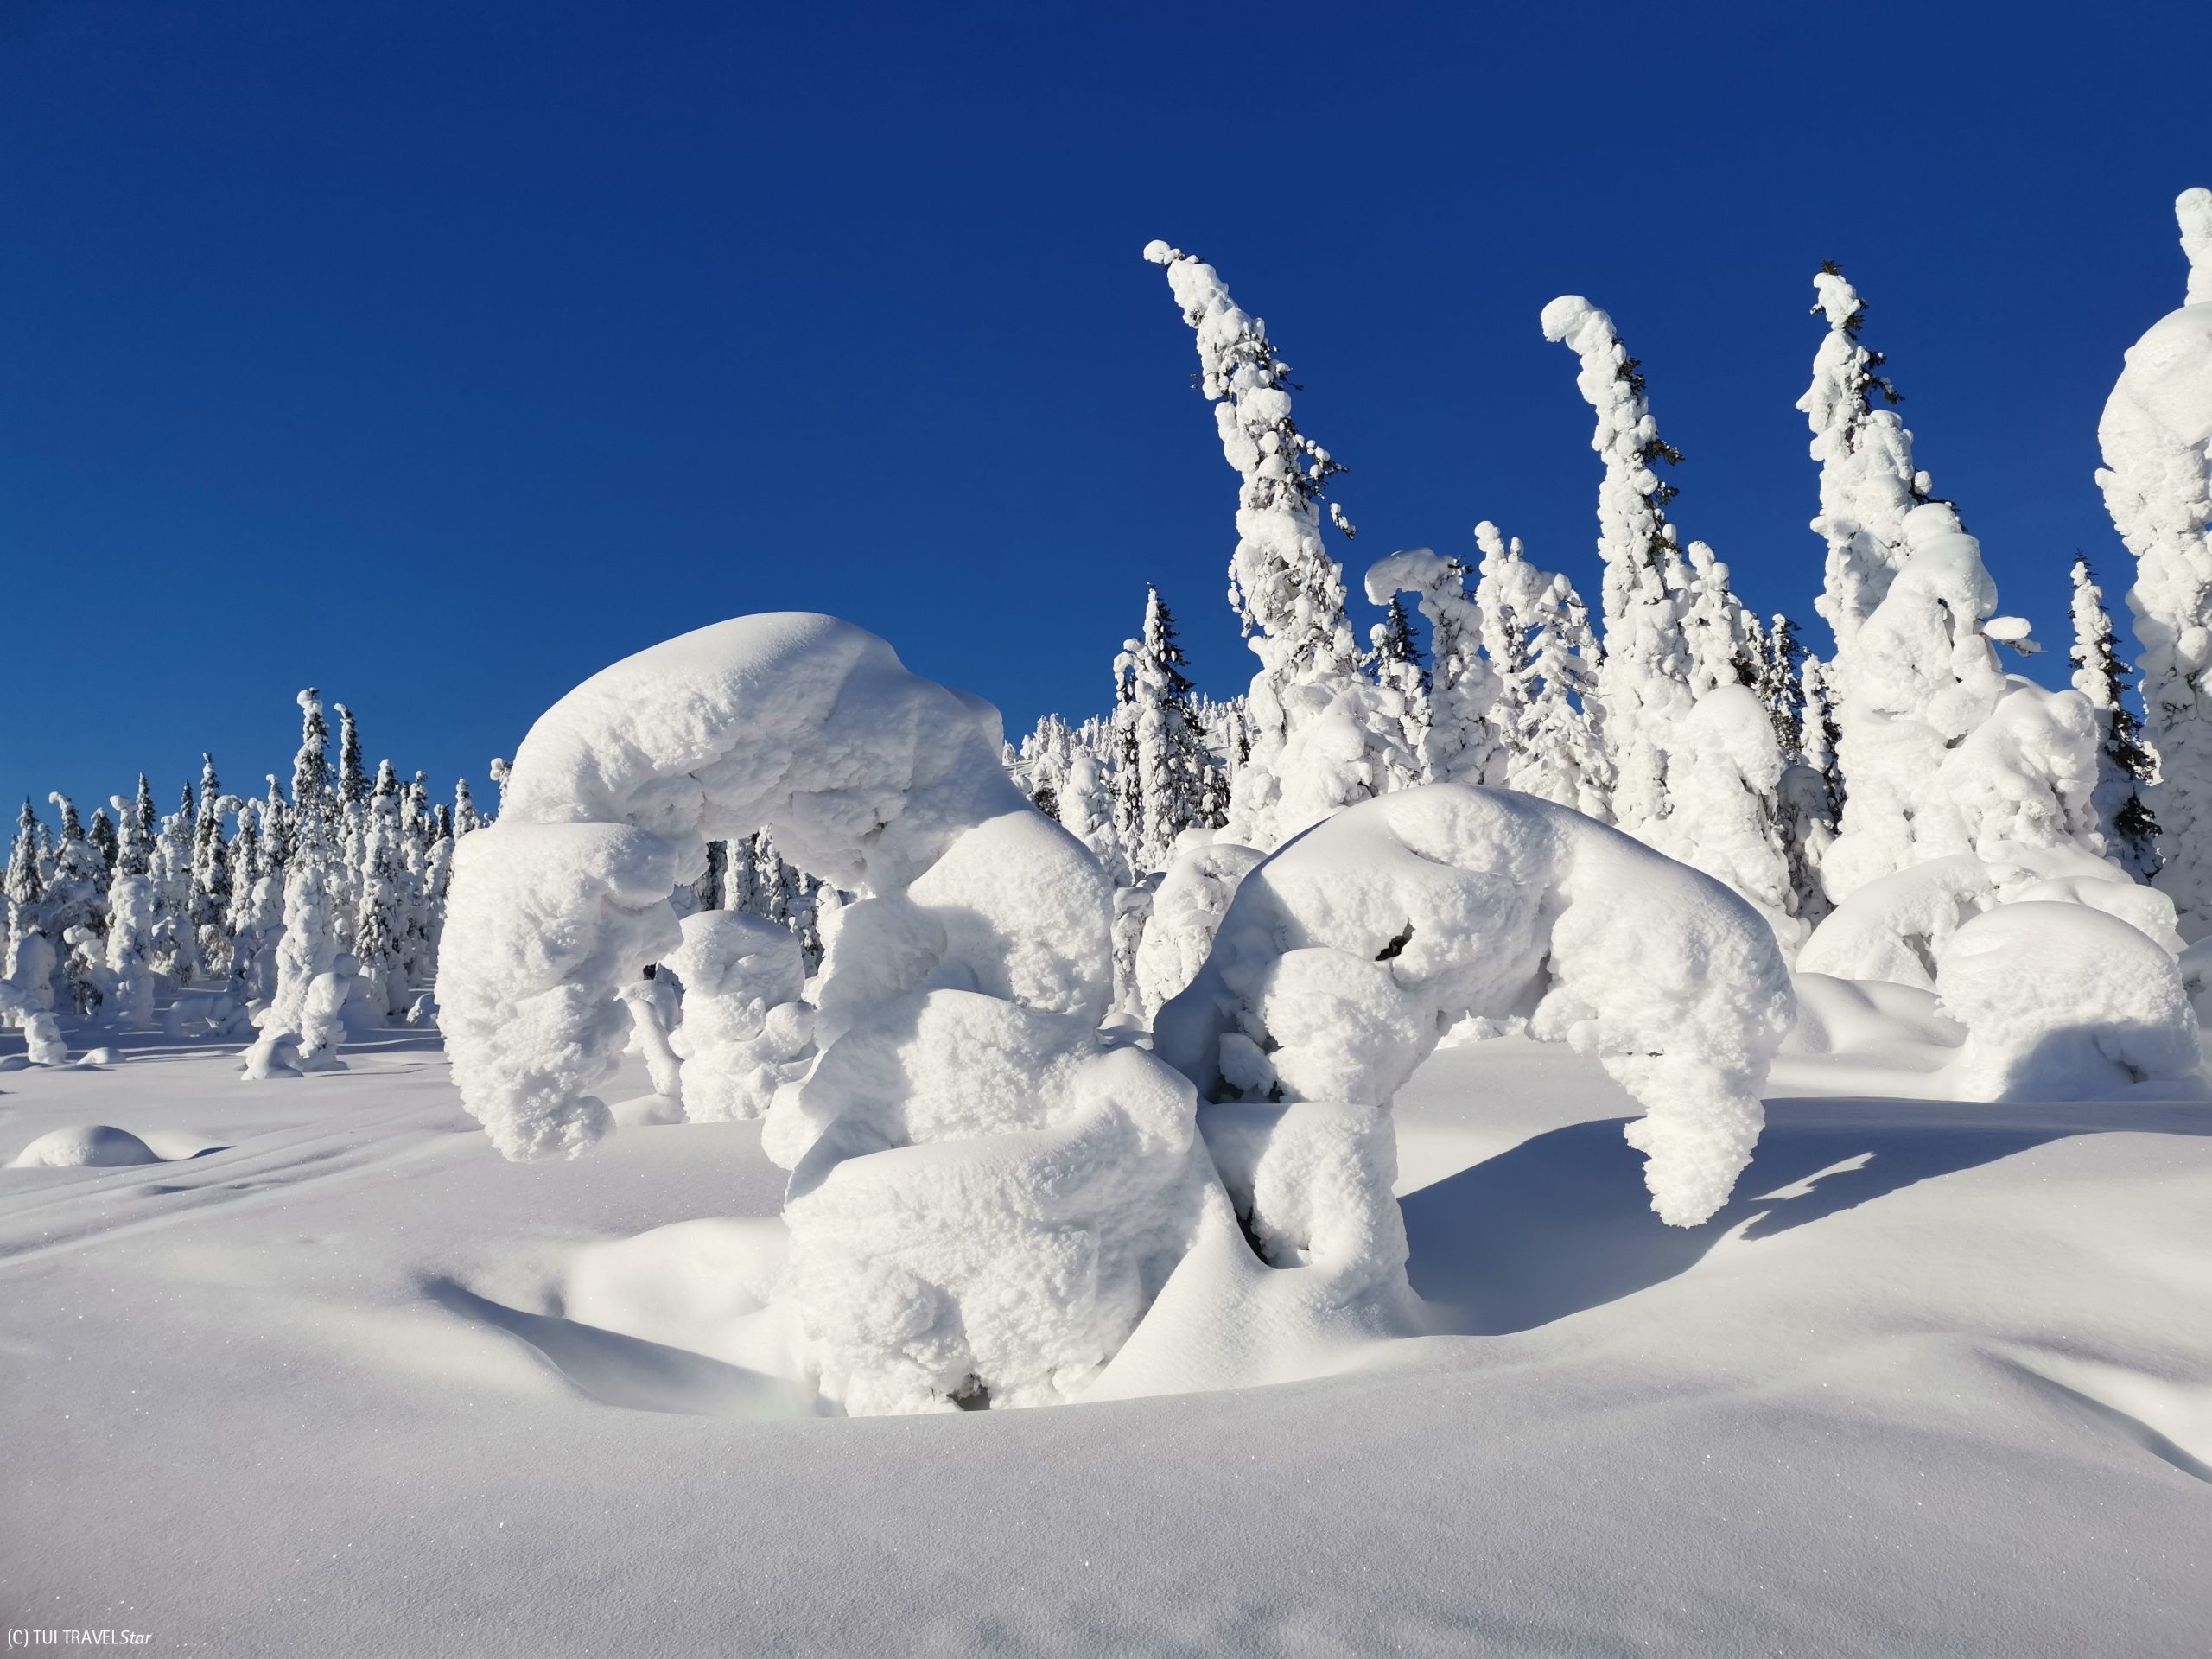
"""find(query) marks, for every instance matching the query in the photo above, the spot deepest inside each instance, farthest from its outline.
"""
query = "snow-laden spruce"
(2124, 765)
(1696, 768)
(1167, 781)
(984, 1199)
(1644, 679)
(1322, 734)
(1868, 480)
(1458, 740)
(1347, 954)
(2156, 435)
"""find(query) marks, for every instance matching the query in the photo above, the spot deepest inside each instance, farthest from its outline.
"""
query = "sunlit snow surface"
(1937, 1380)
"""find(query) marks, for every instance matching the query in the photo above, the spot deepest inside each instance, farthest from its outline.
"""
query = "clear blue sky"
(438, 354)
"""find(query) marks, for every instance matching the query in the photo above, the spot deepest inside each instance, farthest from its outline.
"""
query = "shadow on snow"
(1563, 1223)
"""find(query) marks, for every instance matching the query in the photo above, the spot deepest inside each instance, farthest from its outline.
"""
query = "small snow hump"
(89, 1145)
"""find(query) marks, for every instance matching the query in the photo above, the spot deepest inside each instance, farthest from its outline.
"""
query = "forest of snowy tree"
(1865, 797)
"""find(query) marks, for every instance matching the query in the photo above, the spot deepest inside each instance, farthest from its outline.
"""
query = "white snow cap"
(1347, 954)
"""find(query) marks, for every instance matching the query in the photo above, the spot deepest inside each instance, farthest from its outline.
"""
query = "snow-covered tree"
(1943, 751)
(1508, 591)
(380, 920)
(256, 919)
(1778, 679)
(25, 886)
(1459, 737)
(1165, 784)
(418, 833)
(1643, 682)
(1722, 638)
(128, 989)
(1041, 763)
(349, 802)
(1322, 734)
(1868, 480)
(1086, 804)
(437, 880)
(2156, 438)
(176, 941)
(279, 827)
(464, 809)
(99, 829)
(1394, 656)
(1561, 757)
(2124, 765)
(76, 910)
(309, 945)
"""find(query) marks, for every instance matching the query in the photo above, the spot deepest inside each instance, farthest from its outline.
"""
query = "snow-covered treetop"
(1282, 582)
(2194, 209)
(1868, 480)
(1631, 503)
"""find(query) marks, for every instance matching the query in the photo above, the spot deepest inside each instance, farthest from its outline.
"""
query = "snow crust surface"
(1933, 1381)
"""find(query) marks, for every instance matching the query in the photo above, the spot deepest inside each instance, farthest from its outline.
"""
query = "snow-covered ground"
(1938, 1380)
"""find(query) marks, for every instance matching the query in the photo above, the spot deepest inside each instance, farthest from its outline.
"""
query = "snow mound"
(1345, 956)
(90, 1146)
(2063, 1002)
(1894, 928)
(983, 1202)
(1850, 1018)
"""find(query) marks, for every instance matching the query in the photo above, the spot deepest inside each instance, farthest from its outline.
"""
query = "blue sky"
(438, 355)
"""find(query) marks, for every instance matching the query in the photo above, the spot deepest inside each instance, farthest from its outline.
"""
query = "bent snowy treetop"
(1345, 955)
(868, 775)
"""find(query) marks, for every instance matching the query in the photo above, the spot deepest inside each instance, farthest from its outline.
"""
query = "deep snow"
(1935, 1381)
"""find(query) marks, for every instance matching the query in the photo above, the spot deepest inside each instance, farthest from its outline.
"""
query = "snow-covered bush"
(745, 1031)
(2063, 1002)
(1186, 911)
(1346, 955)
